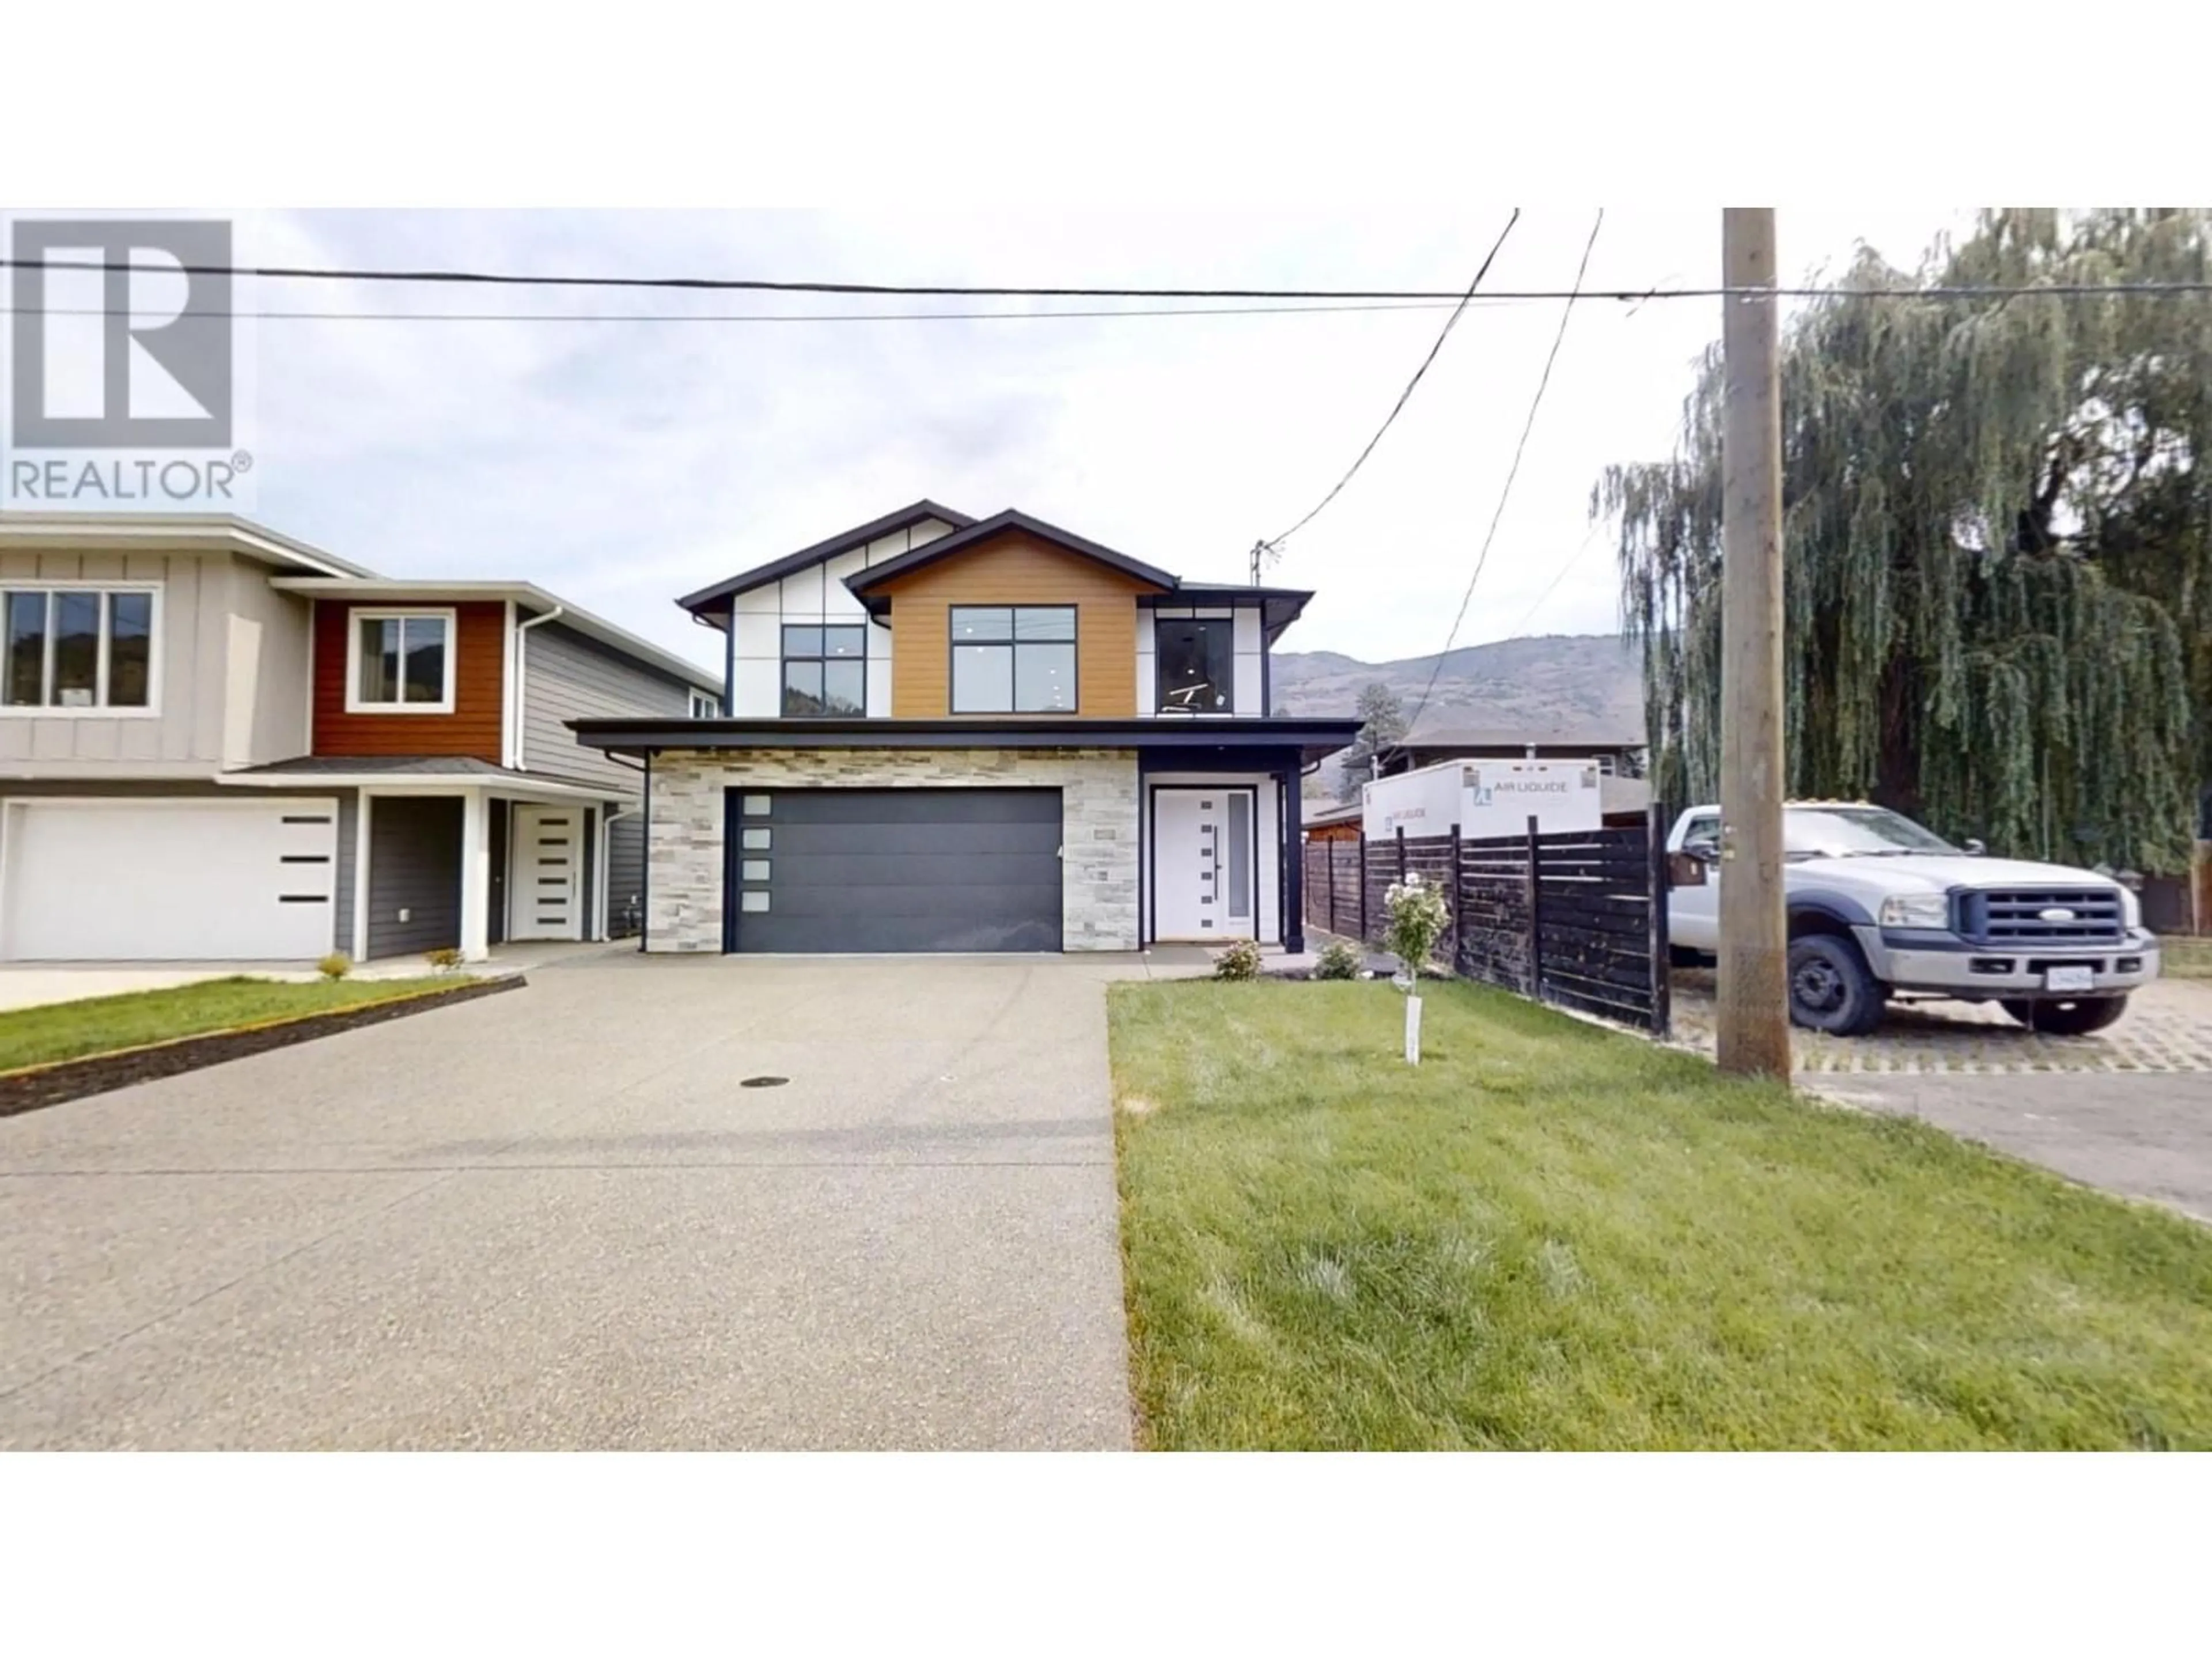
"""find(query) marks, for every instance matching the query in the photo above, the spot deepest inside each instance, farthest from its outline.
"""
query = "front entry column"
(475, 876)
(1294, 864)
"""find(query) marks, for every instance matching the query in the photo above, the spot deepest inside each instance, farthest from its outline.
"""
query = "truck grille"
(2015, 915)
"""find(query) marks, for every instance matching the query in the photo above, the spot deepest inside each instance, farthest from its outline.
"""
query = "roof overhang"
(418, 783)
(867, 585)
(714, 601)
(399, 592)
(171, 532)
(1278, 606)
(1313, 739)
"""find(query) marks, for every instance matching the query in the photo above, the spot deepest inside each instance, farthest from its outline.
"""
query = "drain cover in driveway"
(762, 1082)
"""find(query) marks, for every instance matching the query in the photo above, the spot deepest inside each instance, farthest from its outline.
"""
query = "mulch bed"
(35, 1086)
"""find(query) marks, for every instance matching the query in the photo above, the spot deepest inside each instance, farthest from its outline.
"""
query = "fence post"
(1535, 932)
(1456, 901)
(1662, 986)
(1362, 873)
(1328, 851)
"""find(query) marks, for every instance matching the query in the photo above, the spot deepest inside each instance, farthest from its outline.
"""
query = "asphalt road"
(2143, 1135)
(556, 1219)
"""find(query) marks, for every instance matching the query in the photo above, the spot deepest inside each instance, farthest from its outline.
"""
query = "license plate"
(2070, 979)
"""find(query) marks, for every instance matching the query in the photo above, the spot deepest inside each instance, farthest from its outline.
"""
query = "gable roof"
(866, 582)
(717, 596)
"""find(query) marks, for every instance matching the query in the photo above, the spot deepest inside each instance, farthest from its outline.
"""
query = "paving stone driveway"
(553, 1219)
(2167, 1028)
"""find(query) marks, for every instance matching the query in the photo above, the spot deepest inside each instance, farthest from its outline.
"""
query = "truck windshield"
(1842, 832)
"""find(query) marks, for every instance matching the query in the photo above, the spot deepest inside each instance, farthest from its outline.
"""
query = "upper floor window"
(1013, 659)
(705, 706)
(825, 670)
(403, 663)
(1197, 665)
(78, 648)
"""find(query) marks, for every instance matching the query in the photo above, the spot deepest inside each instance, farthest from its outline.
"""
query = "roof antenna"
(1263, 554)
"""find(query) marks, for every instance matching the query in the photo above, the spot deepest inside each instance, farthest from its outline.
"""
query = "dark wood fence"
(1565, 918)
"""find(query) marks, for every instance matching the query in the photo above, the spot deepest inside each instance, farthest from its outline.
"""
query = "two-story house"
(219, 744)
(952, 735)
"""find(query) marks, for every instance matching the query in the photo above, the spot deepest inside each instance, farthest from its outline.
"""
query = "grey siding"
(414, 865)
(625, 875)
(230, 677)
(565, 677)
(348, 843)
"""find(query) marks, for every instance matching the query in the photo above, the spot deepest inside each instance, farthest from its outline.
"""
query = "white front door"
(545, 897)
(1203, 863)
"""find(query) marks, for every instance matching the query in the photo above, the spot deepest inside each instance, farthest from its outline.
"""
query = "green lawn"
(97, 1025)
(2186, 959)
(1550, 1235)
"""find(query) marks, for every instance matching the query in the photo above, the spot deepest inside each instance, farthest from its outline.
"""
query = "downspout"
(518, 762)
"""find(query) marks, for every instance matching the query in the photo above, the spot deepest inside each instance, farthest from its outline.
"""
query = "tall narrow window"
(825, 670)
(403, 663)
(76, 648)
(1013, 659)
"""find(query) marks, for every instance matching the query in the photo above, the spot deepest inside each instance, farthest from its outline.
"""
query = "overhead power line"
(766, 285)
(768, 316)
(1512, 472)
(1275, 542)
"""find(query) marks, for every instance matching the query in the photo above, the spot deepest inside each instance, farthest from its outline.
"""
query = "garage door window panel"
(403, 663)
(78, 649)
(1013, 659)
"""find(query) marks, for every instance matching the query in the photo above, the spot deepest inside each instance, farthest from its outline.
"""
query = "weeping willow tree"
(1998, 545)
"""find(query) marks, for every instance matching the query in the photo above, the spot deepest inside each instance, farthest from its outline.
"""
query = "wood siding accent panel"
(1014, 567)
(566, 676)
(479, 689)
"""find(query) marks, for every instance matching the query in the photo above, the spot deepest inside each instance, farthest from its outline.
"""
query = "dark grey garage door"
(893, 870)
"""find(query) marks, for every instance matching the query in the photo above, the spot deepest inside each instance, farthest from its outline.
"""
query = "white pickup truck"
(1879, 907)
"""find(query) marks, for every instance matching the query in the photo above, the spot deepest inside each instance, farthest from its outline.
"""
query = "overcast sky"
(620, 463)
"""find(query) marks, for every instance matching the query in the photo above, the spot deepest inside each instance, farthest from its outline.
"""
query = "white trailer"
(1484, 797)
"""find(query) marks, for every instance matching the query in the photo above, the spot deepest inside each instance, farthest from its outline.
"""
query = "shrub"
(336, 965)
(1337, 960)
(1239, 961)
(1418, 919)
(445, 960)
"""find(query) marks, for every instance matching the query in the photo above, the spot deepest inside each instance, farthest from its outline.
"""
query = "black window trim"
(1160, 704)
(953, 644)
(785, 659)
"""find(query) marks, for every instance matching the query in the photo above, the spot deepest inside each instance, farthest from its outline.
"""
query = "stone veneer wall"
(1098, 796)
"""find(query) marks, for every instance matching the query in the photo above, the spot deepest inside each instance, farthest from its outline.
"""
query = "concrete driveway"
(554, 1219)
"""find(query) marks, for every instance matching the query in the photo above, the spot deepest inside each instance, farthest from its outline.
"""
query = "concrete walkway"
(556, 1218)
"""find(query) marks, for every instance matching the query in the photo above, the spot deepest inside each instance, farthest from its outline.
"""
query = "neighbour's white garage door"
(175, 880)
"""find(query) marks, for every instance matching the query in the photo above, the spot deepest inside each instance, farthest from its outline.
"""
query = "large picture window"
(403, 663)
(67, 649)
(825, 670)
(1013, 659)
(1197, 665)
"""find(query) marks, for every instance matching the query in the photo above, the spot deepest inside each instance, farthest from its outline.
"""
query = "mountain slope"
(1555, 682)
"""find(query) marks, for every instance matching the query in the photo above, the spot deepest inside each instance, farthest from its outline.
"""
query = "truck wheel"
(1682, 956)
(1831, 988)
(2076, 1019)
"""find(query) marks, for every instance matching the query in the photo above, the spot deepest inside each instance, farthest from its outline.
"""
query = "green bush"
(1338, 960)
(1419, 916)
(336, 965)
(1239, 961)
(446, 959)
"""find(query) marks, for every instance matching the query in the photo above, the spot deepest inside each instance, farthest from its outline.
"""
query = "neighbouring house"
(1619, 755)
(219, 744)
(946, 733)
(1338, 823)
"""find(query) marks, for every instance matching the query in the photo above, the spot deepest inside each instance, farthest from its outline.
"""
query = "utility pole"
(1754, 941)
